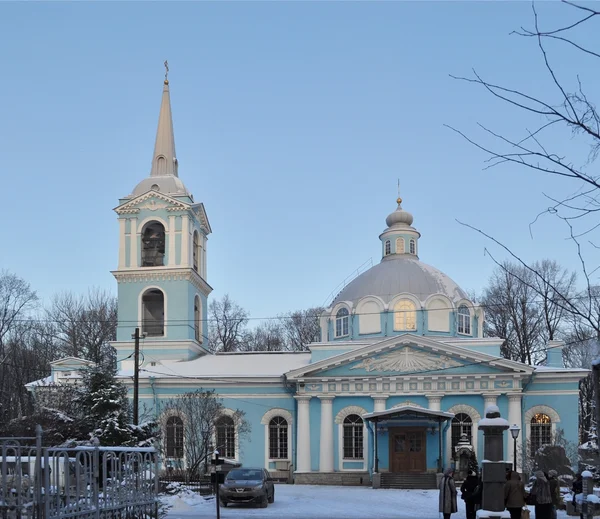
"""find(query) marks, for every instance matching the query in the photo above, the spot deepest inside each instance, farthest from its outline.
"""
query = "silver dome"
(400, 273)
(168, 185)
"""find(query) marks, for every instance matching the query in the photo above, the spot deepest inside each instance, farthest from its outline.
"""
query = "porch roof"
(407, 410)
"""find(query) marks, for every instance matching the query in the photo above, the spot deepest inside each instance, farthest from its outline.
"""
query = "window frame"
(540, 429)
(174, 437)
(405, 316)
(342, 323)
(226, 437)
(466, 423)
(278, 445)
(387, 248)
(353, 438)
(154, 322)
(400, 246)
(463, 326)
(413, 246)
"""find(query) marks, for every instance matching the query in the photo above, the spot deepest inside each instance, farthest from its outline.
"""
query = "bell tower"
(161, 275)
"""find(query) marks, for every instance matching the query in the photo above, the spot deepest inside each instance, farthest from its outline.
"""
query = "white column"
(326, 451)
(435, 402)
(489, 399)
(303, 443)
(171, 262)
(121, 243)
(133, 244)
(203, 271)
(514, 417)
(185, 240)
(379, 402)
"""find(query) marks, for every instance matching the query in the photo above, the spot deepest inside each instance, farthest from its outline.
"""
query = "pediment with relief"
(406, 359)
(152, 201)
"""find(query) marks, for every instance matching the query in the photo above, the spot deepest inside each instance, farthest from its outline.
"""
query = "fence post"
(38, 507)
(587, 507)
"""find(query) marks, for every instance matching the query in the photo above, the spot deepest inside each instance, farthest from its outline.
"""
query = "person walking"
(514, 495)
(448, 493)
(468, 494)
(540, 490)
(554, 491)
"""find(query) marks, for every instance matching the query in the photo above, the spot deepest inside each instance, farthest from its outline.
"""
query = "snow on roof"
(560, 370)
(273, 364)
(40, 382)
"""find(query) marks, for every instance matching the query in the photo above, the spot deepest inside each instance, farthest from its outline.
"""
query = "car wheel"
(264, 501)
(272, 498)
(223, 503)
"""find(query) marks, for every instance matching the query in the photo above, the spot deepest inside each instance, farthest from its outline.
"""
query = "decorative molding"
(543, 409)
(134, 206)
(351, 409)
(406, 359)
(407, 403)
(467, 409)
(152, 274)
(277, 411)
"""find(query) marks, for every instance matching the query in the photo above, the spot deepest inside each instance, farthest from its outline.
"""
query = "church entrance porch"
(408, 439)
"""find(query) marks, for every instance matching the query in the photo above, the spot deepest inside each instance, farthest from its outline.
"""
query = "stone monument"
(494, 466)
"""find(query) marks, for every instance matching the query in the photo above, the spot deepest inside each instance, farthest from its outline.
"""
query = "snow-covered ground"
(324, 502)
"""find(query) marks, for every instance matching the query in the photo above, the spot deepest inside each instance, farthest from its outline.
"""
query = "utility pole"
(136, 375)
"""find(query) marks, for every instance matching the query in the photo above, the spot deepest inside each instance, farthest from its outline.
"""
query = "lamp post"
(217, 462)
(514, 431)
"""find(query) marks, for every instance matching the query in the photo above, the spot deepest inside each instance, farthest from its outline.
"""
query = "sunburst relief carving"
(406, 359)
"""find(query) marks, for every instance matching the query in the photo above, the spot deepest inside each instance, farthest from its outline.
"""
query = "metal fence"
(84, 482)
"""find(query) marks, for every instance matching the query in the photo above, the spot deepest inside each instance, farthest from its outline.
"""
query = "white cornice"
(149, 274)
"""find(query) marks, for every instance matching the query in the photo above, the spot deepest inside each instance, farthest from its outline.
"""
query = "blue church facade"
(402, 371)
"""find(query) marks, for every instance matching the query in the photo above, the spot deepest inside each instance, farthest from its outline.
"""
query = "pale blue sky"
(293, 122)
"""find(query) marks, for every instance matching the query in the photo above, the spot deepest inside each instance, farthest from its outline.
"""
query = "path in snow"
(324, 502)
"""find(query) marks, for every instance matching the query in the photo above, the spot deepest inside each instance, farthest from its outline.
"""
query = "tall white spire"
(164, 160)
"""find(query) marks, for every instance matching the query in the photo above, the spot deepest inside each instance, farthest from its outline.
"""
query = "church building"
(396, 386)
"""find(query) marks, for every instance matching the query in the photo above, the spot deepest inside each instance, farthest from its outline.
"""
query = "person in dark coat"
(468, 494)
(577, 489)
(543, 499)
(514, 495)
(448, 493)
(554, 491)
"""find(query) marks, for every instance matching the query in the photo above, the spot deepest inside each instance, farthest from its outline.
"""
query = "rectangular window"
(353, 442)
(278, 443)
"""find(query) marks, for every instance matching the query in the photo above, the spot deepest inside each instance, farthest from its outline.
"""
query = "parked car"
(247, 485)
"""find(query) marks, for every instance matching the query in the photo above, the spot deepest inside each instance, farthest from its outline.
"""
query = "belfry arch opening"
(153, 245)
(153, 313)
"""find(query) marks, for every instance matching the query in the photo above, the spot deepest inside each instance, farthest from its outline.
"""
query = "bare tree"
(267, 336)
(302, 327)
(84, 325)
(199, 411)
(227, 325)
(17, 300)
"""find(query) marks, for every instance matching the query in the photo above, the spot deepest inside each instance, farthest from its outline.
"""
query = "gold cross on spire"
(399, 200)
(167, 74)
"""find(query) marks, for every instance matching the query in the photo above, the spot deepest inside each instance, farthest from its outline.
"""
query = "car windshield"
(244, 474)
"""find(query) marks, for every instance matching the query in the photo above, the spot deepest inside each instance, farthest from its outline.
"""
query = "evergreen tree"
(103, 407)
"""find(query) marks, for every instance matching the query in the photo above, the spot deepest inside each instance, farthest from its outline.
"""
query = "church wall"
(319, 354)
(566, 405)
(340, 403)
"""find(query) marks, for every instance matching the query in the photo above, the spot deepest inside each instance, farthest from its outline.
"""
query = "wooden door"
(408, 450)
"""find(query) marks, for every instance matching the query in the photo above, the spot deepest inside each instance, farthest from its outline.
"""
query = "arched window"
(153, 313)
(405, 315)
(174, 437)
(464, 320)
(388, 247)
(225, 437)
(197, 319)
(413, 247)
(278, 438)
(541, 432)
(399, 245)
(153, 245)
(353, 437)
(461, 424)
(342, 322)
(196, 251)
